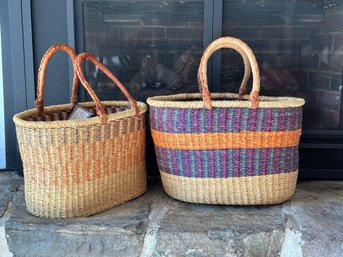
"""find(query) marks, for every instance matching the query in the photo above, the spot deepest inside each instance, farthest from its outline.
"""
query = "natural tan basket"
(76, 168)
(227, 148)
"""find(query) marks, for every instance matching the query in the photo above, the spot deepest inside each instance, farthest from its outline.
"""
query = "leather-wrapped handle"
(247, 69)
(42, 70)
(79, 60)
(240, 46)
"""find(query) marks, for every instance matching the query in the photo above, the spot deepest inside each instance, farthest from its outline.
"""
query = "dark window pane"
(313, 159)
(299, 48)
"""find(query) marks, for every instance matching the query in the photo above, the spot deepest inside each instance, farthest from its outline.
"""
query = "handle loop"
(99, 108)
(247, 69)
(239, 46)
(42, 70)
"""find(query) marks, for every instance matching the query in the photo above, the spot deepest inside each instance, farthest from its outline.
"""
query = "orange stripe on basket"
(122, 153)
(246, 139)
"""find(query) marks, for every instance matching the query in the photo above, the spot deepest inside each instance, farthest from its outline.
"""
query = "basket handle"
(238, 45)
(247, 69)
(78, 67)
(42, 70)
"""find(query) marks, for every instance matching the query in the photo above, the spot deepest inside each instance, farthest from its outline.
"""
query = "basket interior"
(64, 114)
(223, 98)
(213, 99)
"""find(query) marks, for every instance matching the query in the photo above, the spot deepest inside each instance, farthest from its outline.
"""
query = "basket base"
(87, 198)
(255, 190)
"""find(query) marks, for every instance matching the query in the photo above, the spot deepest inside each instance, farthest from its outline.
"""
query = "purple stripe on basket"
(196, 121)
(256, 163)
(193, 164)
(161, 158)
(223, 119)
(292, 120)
(250, 162)
(245, 119)
(282, 120)
(275, 121)
(237, 163)
(203, 122)
(288, 159)
(168, 162)
(209, 120)
(295, 158)
(269, 120)
(169, 113)
(263, 161)
(270, 161)
(225, 168)
(187, 171)
(218, 163)
(199, 164)
(212, 173)
(182, 119)
(180, 161)
(231, 163)
(178, 120)
(152, 114)
(206, 167)
(277, 159)
(298, 117)
(237, 121)
(164, 162)
(161, 119)
(253, 120)
(174, 160)
(244, 162)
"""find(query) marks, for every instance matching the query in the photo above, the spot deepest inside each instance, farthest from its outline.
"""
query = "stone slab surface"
(309, 225)
(317, 211)
(9, 185)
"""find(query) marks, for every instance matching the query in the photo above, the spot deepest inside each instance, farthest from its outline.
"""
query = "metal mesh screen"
(299, 47)
(153, 47)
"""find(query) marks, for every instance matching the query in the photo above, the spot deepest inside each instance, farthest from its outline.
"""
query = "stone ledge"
(157, 225)
(9, 185)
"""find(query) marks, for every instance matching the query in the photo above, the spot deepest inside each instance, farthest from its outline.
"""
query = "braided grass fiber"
(81, 170)
(226, 148)
(226, 100)
(75, 168)
(256, 190)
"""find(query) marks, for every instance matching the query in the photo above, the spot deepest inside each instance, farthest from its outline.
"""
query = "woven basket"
(76, 168)
(227, 148)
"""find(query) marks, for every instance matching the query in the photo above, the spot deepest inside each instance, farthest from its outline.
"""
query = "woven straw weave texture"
(75, 168)
(228, 148)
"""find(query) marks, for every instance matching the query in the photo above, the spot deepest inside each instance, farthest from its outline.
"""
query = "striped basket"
(228, 148)
(76, 168)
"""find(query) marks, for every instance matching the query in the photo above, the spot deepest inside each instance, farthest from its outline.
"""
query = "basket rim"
(19, 118)
(180, 101)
